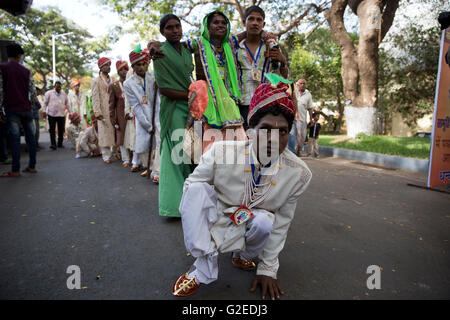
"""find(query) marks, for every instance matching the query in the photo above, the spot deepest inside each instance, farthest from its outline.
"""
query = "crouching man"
(89, 141)
(242, 196)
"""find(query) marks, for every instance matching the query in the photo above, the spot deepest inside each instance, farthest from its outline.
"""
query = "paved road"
(104, 219)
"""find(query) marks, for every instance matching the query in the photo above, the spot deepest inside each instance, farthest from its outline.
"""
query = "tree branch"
(318, 8)
(388, 16)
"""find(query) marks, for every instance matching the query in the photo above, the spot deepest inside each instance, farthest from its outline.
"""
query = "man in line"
(304, 107)
(17, 93)
(255, 58)
(246, 207)
(117, 110)
(100, 104)
(55, 102)
(141, 93)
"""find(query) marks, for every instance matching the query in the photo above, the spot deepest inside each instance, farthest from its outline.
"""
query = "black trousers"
(244, 113)
(52, 121)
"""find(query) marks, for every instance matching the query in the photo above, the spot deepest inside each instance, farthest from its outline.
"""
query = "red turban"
(102, 61)
(267, 95)
(73, 116)
(121, 64)
(139, 56)
(75, 82)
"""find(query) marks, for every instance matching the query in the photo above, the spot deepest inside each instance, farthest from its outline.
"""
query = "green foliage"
(411, 147)
(74, 52)
(145, 15)
(318, 59)
(409, 62)
(408, 79)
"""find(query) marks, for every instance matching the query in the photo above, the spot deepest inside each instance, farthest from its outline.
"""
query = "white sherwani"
(100, 105)
(134, 93)
(288, 177)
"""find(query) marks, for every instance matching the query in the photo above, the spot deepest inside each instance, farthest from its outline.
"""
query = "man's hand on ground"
(267, 284)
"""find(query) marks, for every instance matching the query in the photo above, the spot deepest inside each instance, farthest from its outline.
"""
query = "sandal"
(10, 174)
(29, 170)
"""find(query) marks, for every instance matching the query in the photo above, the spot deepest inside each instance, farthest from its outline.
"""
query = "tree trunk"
(360, 63)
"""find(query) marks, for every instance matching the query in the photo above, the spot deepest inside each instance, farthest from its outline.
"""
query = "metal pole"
(54, 62)
(54, 55)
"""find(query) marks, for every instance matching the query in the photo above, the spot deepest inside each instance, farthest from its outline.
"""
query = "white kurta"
(288, 178)
(100, 105)
(134, 93)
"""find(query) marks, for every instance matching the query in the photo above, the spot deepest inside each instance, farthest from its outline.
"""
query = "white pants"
(106, 153)
(124, 154)
(157, 157)
(136, 162)
(198, 210)
(140, 159)
(300, 130)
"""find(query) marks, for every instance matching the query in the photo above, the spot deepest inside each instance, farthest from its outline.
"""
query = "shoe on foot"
(29, 170)
(136, 169)
(126, 164)
(53, 147)
(243, 264)
(185, 286)
(144, 174)
(107, 161)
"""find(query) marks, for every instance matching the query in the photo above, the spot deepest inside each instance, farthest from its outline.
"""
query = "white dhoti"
(198, 209)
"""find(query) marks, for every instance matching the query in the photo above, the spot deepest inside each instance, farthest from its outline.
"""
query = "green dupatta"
(222, 110)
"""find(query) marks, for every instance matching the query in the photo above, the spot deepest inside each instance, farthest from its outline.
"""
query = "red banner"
(439, 168)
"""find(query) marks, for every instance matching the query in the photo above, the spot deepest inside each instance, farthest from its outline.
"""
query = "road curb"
(411, 164)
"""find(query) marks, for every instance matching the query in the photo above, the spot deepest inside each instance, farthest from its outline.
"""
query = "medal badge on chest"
(241, 215)
(144, 99)
(256, 74)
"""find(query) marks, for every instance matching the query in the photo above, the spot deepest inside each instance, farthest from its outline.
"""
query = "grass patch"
(411, 147)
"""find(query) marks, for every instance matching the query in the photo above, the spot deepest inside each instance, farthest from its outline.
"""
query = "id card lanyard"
(256, 73)
(144, 88)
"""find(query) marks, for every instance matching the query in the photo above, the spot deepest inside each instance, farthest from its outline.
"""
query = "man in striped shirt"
(255, 58)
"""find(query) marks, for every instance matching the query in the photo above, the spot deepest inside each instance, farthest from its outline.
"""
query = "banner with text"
(439, 167)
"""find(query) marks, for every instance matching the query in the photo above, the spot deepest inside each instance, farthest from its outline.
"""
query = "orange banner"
(439, 167)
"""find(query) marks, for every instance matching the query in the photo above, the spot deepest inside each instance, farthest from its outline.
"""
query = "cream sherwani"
(100, 105)
(279, 190)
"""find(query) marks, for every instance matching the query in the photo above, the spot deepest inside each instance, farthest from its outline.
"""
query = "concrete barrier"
(412, 164)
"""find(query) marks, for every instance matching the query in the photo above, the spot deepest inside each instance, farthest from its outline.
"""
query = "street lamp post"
(53, 52)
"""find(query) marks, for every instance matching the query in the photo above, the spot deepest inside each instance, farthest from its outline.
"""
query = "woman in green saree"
(173, 75)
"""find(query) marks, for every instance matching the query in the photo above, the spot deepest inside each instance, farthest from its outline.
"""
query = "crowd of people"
(240, 94)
